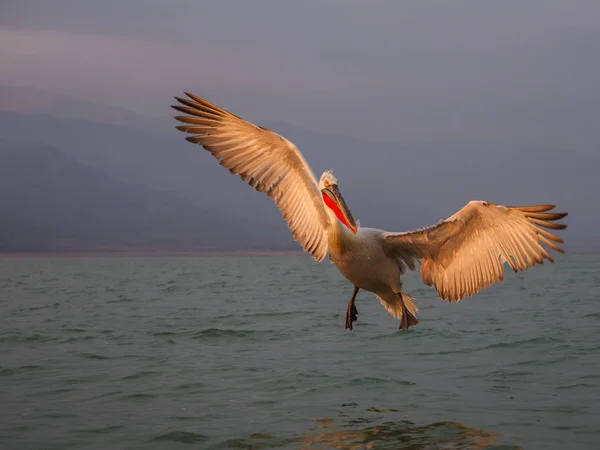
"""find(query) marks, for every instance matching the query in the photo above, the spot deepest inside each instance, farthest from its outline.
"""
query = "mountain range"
(78, 175)
(50, 202)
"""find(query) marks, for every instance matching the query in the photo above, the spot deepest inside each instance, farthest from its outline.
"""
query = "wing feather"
(465, 253)
(266, 161)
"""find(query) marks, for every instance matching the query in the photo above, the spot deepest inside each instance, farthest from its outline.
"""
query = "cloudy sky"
(514, 72)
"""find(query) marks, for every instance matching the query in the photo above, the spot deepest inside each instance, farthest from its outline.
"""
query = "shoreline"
(124, 253)
(196, 253)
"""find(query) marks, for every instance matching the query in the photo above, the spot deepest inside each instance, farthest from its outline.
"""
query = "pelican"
(459, 256)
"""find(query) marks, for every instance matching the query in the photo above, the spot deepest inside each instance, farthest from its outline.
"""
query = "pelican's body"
(357, 255)
(459, 256)
(362, 260)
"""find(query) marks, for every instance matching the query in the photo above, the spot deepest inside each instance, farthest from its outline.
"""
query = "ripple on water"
(108, 394)
(164, 333)
(574, 386)
(371, 380)
(533, 342)
(183, 418)
(21, 337)
(222, 332)
(593, 315)
(58, 415)
(141, 374)
(185, 437)
(101, 430)
(89, 355)
(121, 299)
(77, 338)
(138, 396)
(188, 386)
(275, 314)
(20, 370)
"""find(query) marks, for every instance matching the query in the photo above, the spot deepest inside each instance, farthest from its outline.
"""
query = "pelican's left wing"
(465, 253)
(264, 160)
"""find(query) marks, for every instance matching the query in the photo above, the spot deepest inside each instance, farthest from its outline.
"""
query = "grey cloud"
(513, 72)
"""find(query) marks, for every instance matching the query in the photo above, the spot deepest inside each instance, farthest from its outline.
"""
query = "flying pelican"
(459, 256)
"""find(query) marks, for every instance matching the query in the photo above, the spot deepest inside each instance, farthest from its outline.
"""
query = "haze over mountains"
(50, 202)
(76, 175)
(28, 100)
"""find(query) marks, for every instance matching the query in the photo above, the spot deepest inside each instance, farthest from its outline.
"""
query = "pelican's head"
(335, 202)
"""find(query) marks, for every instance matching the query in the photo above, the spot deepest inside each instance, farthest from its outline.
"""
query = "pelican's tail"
(409, 303)
(393, 305)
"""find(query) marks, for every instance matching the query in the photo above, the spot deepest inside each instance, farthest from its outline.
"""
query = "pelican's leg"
(351, 310)
(408, 318)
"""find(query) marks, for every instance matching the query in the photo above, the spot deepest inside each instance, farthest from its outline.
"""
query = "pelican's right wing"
(264, 160)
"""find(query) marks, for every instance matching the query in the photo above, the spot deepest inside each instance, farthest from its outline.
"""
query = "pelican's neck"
(340, 236)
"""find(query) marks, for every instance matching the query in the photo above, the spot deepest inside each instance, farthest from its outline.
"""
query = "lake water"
(250, 352)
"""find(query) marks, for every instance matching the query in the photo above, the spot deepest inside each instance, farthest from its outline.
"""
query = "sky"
(515, 72)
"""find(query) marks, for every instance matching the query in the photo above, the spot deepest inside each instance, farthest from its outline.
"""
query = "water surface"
(250, 352)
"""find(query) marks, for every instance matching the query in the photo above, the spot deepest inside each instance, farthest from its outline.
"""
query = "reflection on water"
(354, 435)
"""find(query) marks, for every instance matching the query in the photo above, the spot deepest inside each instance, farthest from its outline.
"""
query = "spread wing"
(465, 253)
(264, 160)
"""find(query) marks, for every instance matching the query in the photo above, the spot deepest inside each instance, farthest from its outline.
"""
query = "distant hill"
(163, 161)
(29, 100)
(49, 202)
(391, 186)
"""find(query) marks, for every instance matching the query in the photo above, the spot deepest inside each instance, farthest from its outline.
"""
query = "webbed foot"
(408, 320)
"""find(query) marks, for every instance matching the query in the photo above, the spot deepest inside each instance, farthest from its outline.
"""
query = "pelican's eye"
(326, 183)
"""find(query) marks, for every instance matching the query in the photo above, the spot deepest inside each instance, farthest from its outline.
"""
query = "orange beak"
(334, 200)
